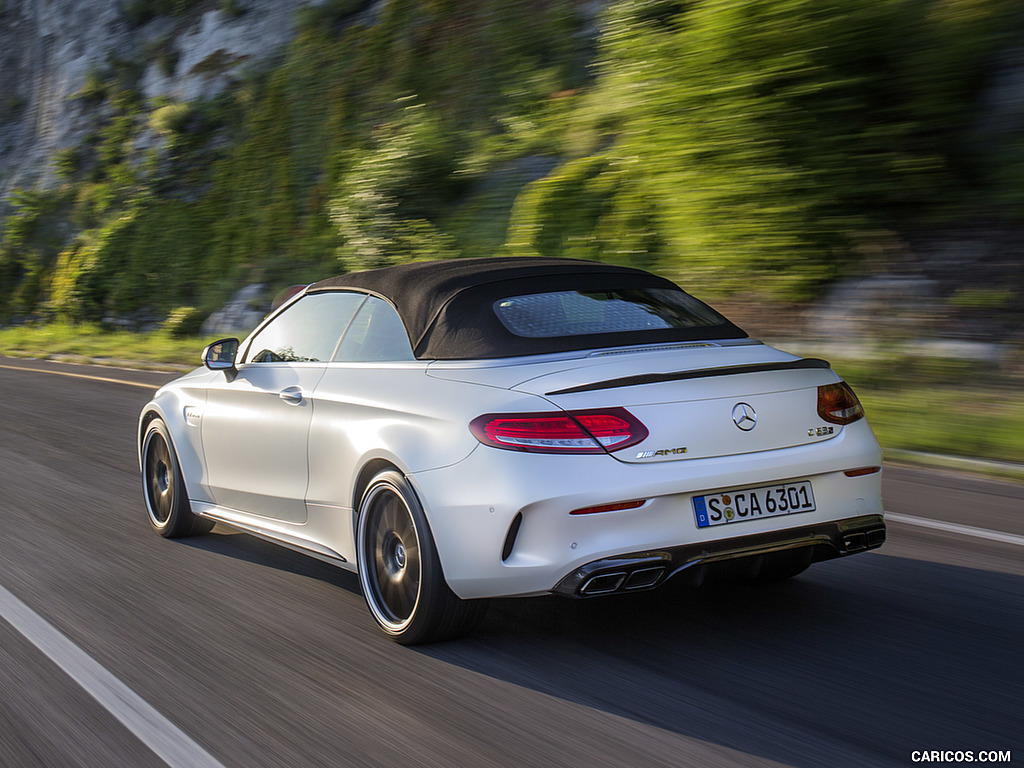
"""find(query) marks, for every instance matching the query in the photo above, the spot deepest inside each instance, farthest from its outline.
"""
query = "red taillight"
(838, 405)
(592, 431)
(610, 507)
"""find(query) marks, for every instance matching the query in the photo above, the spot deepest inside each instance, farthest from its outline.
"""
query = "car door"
(256, 425)
(364, 399)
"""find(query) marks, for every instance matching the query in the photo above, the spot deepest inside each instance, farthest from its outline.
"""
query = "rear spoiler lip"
(702, 373)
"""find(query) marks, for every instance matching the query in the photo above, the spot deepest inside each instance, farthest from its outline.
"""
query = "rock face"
(212, 50)
(47, 52)
(48, 48)
(240, 315)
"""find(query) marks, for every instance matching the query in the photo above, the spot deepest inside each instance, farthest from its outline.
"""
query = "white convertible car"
(467, 429)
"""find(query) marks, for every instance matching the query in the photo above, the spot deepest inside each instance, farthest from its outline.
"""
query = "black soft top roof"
(446, 306)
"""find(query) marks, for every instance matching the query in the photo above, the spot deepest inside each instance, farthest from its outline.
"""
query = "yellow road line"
(82, 376)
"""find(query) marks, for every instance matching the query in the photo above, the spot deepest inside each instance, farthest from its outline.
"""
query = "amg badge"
(661, 452)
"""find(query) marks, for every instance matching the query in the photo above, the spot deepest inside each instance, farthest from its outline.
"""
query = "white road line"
(166, 740)
(964, 530)
(81, 376)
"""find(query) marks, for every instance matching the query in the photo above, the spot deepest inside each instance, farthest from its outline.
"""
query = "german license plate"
(753, 503)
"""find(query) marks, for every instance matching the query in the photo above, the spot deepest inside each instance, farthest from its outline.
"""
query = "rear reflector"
(569, 432)
(862, 471)
(837, 404)
(609, 507)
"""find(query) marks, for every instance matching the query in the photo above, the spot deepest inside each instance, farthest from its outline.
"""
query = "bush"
(94, 88)
(67, 162)
(182, 322)
(327, 15)
(386, 201)
(170, 118)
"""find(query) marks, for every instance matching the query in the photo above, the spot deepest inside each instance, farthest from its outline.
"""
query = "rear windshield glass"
(578, 313)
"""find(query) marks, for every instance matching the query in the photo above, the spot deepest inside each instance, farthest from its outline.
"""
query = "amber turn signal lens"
(862, 471)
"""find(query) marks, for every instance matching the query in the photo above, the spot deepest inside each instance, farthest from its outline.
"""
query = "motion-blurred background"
(842, 177)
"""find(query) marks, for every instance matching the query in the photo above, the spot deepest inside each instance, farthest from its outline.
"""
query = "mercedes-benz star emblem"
(744, 417)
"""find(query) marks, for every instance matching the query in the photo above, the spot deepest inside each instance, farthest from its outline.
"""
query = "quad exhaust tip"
(650, 569)
(856, 542)
(622, 581)
(629, 573)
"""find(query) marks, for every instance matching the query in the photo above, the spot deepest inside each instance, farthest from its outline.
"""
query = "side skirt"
(273, 531)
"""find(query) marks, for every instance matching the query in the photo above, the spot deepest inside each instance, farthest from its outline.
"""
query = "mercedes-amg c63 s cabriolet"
(459, 430)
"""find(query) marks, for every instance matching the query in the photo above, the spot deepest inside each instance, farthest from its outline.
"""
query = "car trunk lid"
(700, 403)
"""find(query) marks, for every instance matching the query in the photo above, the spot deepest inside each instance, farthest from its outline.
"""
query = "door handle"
(291, 395)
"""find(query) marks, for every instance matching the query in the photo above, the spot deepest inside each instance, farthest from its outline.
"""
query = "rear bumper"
(637, 571)
(503, 526)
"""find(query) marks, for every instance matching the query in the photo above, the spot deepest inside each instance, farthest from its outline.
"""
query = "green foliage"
(764, 135)
(89, 342)
(122, 267)
(183, 322)
(67, 161)
(218, 62)
(170, 118)
(981, 298)
(385, 201)
(315, 158)
(29, 243)
(94, 89)
(479, 222)
(591, 208)
(720, 143)
(975, 421)
(328, 15)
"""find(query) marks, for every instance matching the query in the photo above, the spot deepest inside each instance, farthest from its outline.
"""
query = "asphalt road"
(240, 654)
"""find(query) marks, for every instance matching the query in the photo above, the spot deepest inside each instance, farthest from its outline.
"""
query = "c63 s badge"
(820, 431)
(660, 452)
(193, 415)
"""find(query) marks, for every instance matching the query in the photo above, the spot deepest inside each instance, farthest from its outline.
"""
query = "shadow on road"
(885, 654)
(879, 654)
(252, 549)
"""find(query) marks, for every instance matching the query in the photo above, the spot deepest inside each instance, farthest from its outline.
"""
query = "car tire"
(400, 571)
(164, 487)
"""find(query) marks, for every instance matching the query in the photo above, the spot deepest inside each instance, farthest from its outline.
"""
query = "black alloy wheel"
(164, 487)
(400, 571)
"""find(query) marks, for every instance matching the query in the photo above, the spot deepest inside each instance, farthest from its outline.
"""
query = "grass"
(952, 421)
(915, 406)
(948, 407)
(92, 344)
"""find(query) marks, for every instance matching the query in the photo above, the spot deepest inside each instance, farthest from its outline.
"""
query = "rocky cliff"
(886, 164)
(49, 49)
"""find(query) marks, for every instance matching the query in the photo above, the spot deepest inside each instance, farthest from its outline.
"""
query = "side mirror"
(220, 356)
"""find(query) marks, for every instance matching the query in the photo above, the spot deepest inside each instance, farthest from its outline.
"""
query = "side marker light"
(609, 507)
(862, 471)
